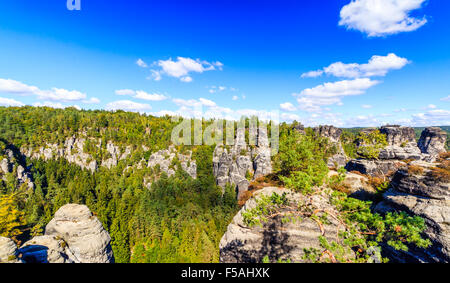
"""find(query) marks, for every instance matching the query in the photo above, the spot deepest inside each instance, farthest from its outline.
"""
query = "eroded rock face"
(334, 135)
(397, 135)
(8, 251)
(164, 158)
(419, 193)
(401, 143)
(374, 168)
(47, 249)
(83, 233)
(74, 235)
(432, 141)
(277, 239)
(233, 165)
(9, 163)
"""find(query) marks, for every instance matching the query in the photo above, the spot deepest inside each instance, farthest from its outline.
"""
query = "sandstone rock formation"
(9, 164)
(334, 135)
(418, 192)
(432, 141)
(74, 235)
(374, 168)
(401, 143)
(356, 186)
(164, 158)
(277, 239)
(47, 249)
(73, 151)
(83, 233)
(233, 165)
(8, 251)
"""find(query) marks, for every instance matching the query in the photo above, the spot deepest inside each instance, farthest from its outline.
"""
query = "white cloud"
(55, 94)
(312, 74)
(381, 17)
(186, 79)
(235, 97)
(181, 67)
(125, 92)
(435, 117)
(431, 106)
(446, 98)
(141, 63)
(366, 106)
(311, 99)
(128, 105)
(287, 107)
(92, 100)
(377, 66)
(10, 102)
(140, 94)
(194, 103)
(289, 117)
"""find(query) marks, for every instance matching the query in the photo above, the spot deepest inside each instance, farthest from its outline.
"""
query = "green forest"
(178, 219)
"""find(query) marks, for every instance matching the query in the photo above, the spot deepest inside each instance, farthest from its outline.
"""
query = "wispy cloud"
(182, 67)
(128, 105)
(140, 94)
(312, 99)
(54, 94)
(377, 66)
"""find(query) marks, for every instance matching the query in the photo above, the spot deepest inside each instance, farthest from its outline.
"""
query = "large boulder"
(8, 251)
(374, 168)
(331, 132)
(432, 141)
(417, 190)
(47, 249)
(83, 233)
(277, 239)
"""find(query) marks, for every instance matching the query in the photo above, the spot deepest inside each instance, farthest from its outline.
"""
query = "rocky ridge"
(74, 235)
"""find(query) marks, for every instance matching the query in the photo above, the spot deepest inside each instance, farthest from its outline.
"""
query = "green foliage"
(11, 218)
(301, 162)
(265, 205)
(365, 229)
(371, 143)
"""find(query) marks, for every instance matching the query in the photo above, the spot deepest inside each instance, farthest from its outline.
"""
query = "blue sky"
(373, 61)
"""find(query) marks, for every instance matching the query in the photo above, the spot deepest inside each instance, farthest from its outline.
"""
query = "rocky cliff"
(240, 163)
(422, 189)
(12, 162)
(279, 240)
(339, 159)
(74, 235)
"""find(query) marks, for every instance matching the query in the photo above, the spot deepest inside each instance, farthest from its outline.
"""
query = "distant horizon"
(343, 62)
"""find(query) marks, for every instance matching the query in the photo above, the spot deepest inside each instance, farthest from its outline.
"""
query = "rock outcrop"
(9, 164)
(374, 168)
(238, 164)
(432, 141)
(164, 159)
(8, 251)
(418, 191)
(277, 239)
(339, 159)
(401, 143)
(73, 150)
(74, 235)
